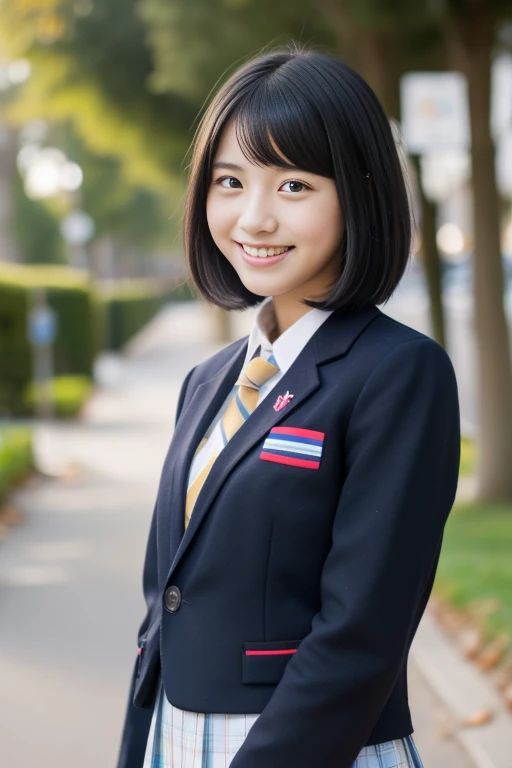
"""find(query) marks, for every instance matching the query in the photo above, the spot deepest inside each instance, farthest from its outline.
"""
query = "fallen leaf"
(502, 677)
(471, 642)
(478, 718)
(10, 515)
(445, 730)
(452, 621)
(71, 473)
(492, 653)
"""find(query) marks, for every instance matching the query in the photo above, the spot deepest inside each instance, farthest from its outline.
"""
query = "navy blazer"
(296, 591)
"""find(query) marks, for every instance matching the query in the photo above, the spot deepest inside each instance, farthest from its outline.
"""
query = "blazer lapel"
(192, 424)
(333, 339)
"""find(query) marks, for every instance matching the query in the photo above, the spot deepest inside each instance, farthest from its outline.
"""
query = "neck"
(286, 313)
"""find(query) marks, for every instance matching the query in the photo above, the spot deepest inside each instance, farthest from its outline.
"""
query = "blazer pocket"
(264, 663)
(295, 446)
(147, 667)
(142, 645)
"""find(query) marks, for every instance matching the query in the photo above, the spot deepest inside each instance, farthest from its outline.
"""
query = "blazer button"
(172, 599)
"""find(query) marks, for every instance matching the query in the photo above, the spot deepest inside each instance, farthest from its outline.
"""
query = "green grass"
(476, 561)
(16, 457)
(467, 457)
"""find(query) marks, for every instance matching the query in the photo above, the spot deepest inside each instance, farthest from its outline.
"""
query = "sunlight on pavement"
(59, 550)
(35, 576)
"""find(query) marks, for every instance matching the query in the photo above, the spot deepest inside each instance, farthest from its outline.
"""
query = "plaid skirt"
(182, 739)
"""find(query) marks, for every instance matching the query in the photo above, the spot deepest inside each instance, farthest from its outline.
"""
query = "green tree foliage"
(138, 213)
(90, 65)
(37, 229)
(195, 42)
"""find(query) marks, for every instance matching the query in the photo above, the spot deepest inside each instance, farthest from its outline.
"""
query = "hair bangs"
(276, 127)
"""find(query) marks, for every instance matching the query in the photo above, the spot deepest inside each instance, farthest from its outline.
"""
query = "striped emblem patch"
(294, 446)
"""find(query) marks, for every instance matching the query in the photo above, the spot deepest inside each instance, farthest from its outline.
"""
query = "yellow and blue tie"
(238, 410)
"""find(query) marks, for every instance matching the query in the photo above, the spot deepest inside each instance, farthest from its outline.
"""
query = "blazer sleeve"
(138, 720)
(402, 452)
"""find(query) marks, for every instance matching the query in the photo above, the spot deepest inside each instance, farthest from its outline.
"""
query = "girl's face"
(274, 208)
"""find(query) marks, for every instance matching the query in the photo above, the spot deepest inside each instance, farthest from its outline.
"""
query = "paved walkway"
(70, 577)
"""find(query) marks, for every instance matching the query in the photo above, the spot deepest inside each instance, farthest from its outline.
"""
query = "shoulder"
(404, 369)
(406, 404)
(388, 342)
(390, 362)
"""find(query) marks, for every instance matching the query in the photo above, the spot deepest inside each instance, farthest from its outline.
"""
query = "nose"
(256, 216)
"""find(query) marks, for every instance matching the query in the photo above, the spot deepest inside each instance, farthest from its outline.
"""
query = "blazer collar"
(290, 343)
(332, 340)
(341, 329)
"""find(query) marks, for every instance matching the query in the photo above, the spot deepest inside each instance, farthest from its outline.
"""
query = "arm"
(138, 721)
(402, 461)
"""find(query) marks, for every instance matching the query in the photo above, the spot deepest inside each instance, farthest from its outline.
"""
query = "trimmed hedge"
(70, 296)
(127, 311)
(15, 355)
(89, 319)
(68, 393)
(130, 305)
(16, 457)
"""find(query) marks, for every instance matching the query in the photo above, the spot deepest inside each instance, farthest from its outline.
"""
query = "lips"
(262, 261)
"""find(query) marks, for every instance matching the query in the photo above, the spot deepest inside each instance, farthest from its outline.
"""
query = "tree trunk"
(9, 250)
(373, 53)
(431, 260)
(471, 36)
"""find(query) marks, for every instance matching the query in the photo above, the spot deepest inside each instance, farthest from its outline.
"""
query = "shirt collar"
(290, 343)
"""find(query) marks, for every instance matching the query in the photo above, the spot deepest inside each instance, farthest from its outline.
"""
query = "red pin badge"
(282, 401)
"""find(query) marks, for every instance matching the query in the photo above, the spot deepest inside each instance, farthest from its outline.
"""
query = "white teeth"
(262, 253)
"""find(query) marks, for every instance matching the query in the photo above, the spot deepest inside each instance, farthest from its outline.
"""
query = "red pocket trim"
(270, 653)
(306, 463)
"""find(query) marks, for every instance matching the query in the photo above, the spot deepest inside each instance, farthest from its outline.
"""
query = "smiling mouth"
(264, 253)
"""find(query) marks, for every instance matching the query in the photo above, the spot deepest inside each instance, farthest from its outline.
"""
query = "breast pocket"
(265, 662)
(295, 446)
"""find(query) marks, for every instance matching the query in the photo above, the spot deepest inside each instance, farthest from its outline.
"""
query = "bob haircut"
(325, 119)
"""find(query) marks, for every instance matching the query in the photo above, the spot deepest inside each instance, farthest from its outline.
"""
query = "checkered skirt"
(182, 739)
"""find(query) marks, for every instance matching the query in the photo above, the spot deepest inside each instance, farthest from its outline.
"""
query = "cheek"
(217, 217)
(321, 224)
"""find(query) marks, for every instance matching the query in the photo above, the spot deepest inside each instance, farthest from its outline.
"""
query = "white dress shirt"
(284, 349)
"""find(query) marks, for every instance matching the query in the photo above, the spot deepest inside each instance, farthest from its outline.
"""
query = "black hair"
(325, 119)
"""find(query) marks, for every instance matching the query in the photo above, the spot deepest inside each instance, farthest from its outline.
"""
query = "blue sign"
(42, 326)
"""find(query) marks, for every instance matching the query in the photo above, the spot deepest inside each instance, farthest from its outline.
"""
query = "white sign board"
(501, 95)
(434, 111)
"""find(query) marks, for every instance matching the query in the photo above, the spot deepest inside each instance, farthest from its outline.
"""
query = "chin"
(265, 286)
(259, 289)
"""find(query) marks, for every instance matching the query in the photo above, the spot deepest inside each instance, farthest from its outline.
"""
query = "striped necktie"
(238, 410)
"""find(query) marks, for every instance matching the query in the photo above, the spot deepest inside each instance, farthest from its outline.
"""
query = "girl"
(314, 463)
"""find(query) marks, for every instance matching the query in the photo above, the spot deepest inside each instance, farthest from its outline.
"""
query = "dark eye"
(294, 185)
(228, 179)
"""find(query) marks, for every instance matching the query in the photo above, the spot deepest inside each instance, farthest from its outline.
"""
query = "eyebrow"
(235, 167)
(229, 166)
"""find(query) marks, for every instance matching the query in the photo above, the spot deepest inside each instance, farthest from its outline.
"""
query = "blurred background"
(99, 325)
